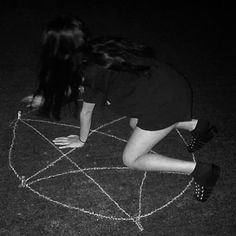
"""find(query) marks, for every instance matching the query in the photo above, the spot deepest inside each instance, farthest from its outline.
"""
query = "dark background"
(197, 38)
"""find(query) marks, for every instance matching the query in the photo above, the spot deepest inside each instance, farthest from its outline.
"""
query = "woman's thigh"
(142, 141)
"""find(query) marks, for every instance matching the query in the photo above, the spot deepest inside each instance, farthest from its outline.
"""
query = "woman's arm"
(75, 141)
(85, 120)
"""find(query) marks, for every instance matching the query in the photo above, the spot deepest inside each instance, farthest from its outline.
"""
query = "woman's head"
(63, 42)
(63, 36)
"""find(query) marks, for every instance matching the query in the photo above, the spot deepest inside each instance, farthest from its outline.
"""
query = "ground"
(197, 42)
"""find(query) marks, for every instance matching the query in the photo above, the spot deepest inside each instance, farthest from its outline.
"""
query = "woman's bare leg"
(136, 154)
(133, 122)
(187, 125)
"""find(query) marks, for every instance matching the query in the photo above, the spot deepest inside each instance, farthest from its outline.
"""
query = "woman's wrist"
(82, 141)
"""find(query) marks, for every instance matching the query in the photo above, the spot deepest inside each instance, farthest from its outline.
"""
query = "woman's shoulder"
(93, 73)
(92, 68)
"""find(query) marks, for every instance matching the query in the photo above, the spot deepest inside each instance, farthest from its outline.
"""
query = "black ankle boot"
(202, 134)
(205, 177)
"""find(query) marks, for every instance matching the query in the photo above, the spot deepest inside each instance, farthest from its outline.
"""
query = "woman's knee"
(128, 160)
(133, 122)
(141, 142)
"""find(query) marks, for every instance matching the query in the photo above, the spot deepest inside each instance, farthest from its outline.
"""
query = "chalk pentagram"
(27, 182)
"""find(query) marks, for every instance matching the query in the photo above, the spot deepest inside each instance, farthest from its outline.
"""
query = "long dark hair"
(120, 54)
(59, 78)
(67, 47)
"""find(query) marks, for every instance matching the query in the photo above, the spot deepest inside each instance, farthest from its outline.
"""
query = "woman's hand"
(71, 141)
(34, 101)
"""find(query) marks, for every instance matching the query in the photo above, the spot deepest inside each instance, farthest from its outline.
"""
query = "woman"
(155, 97)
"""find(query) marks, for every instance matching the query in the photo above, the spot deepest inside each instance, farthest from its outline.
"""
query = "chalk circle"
(86, 177)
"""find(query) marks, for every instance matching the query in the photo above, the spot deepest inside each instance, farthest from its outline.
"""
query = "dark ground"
(197, 40)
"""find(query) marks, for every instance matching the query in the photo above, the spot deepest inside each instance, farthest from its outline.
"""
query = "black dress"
(158, 100)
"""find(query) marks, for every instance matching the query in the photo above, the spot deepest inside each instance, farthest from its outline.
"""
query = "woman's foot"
(205, 178)
(202, 134)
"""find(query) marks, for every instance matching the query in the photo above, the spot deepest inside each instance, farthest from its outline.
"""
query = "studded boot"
(205, 177)
(202, 134)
